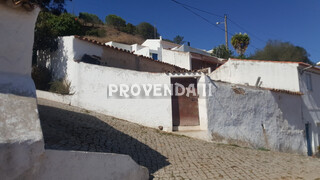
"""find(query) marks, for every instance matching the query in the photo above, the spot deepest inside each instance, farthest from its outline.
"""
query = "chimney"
(188, 43)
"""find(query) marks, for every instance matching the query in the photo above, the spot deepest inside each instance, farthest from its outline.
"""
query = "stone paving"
(166, 155)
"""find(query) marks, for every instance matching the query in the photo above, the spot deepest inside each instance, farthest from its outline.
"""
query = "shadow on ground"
(68, 130)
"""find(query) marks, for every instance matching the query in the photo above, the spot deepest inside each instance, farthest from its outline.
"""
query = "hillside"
(113, 34)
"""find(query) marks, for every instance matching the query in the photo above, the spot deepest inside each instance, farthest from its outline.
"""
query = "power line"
(247, 31)
(188, 8)
(198, 9)
(205, 19)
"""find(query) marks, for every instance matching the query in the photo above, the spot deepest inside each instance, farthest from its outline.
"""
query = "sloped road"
(167, 156)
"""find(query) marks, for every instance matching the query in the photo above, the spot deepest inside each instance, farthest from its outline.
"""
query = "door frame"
(172, 100)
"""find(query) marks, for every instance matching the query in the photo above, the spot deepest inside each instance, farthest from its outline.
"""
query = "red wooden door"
(185, 109)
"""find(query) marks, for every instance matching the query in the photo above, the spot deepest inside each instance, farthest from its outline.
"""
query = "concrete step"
(197, 134)
(186, 128)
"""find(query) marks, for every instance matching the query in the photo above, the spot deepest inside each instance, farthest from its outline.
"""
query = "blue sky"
(292, 21)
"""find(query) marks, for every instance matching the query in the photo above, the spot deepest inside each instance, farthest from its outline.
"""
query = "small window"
(154, 56)
(309, 82)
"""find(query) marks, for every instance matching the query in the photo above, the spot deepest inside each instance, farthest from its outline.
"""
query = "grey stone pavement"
(166, 155)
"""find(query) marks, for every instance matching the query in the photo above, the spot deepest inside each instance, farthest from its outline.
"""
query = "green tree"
(130, 28)
(178, 39)
(146, 30)
(221, 51)
(49, 27)
(115, 21)
(240, 43)
(90, 18)
(54, 6)
(281, 51)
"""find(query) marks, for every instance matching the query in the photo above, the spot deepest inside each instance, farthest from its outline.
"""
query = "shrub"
(146, 30)
(96, 32)
(115, 21)
(130, 28)
(60, 87)
(90, 18)
(41, 77)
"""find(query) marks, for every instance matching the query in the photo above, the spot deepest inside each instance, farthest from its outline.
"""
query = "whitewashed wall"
(21, 140)
(275, 75)
(69, 49)
(180, 59)
(120, 45)
(311, 106)
(141, 50)
(90, 86)
(89, 83)
(239, 118)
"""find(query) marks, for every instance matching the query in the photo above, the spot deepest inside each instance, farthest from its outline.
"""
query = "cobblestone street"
(166, 155)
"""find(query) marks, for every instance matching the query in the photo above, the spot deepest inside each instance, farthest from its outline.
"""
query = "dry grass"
(117, 36)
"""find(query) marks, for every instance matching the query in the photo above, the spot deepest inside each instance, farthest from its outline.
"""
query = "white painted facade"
(90, 85)
(256, 118)
(185, 48)
(274, 75)
(165, 51)
(119, 45)
(181, 59)
(311, 105)
(295, 110)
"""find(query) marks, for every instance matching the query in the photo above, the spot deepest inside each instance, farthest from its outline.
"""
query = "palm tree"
(240, 43)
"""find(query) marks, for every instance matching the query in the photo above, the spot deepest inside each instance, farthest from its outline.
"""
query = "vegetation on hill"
(90, 18)
(281, 51)
(54, 21)
(113, 34)
(51, 25)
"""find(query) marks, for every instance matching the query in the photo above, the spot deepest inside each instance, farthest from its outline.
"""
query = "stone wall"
(256, 118)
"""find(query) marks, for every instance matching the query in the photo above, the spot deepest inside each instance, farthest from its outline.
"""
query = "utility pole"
(226, 30)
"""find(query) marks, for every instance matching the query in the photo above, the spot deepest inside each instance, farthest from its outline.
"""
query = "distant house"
(180, 55)
(90, 51)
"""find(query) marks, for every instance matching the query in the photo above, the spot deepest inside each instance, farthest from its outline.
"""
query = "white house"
(271, 103)
(180, 55)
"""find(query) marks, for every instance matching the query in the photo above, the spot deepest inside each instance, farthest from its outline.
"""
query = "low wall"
(89, 165)
(65, 99)
(254, 117)
(89, 83)
(268, 74)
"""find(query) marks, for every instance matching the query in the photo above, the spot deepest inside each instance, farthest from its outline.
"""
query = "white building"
(180, 55)
(294, 97)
